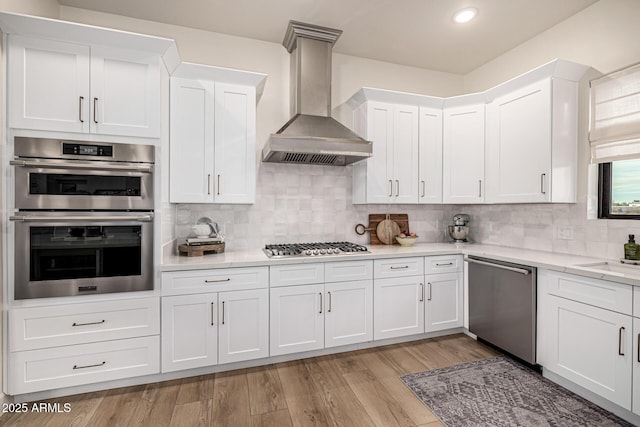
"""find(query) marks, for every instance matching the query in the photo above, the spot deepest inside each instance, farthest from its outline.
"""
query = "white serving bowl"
(201, 230)
(406, 241)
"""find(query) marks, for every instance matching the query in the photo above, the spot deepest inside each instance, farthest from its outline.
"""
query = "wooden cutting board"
(374, 219)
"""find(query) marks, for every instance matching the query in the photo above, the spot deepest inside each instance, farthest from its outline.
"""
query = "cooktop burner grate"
(290, 250)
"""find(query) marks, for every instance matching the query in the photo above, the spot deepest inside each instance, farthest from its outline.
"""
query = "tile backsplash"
(303, 203)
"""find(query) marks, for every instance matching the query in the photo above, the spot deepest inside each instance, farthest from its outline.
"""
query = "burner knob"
(323, 251)
(336, 251)
(268, 252)
(308, 252)
(280, 252)
(315, 252)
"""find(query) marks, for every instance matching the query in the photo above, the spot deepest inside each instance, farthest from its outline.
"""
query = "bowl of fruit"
(406, 238)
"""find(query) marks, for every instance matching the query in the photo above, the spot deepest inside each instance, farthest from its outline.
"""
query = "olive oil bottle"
(631, 249)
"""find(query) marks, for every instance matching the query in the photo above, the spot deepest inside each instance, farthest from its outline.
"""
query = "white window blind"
(614, 126)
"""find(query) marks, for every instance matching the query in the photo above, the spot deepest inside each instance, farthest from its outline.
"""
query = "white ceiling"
(419, 33)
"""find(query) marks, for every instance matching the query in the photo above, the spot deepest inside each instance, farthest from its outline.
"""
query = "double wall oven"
(83, 220)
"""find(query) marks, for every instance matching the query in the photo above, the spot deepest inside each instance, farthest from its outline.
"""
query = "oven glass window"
(84, 185)
(77, 252)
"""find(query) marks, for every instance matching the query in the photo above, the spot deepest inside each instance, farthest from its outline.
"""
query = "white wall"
(605, 36)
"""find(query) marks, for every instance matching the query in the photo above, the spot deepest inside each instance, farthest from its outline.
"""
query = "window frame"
(604, 194)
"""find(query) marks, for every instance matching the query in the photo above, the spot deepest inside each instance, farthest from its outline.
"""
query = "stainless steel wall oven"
(84, 217)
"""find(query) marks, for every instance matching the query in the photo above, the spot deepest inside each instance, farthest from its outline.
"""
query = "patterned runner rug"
(501, 392)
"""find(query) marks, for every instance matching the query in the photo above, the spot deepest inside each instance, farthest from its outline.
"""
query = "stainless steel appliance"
(84, 218)
(291, 250)
(502, 305)
(72, 175)
(312, 136)
(459, 231)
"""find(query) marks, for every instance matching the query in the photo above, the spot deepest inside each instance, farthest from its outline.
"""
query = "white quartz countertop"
(547, 260)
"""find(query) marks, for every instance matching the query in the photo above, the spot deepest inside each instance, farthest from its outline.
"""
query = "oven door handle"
(36, 218)
(80, 166)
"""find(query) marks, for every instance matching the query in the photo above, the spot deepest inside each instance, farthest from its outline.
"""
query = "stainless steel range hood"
(312, 136)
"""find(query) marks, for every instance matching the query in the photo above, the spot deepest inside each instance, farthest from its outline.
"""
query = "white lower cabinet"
(74, 365)
(443, 302)
(307, 314)
(398, 307)
(219, 327)
(349, 315)
(189, 331)
(297, 319)
(636, 362)
(243, 328)
(588, 345)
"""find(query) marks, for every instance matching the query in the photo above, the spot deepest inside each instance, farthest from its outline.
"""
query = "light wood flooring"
(360, 388)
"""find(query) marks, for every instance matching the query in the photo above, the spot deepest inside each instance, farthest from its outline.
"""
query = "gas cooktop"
(291, 250)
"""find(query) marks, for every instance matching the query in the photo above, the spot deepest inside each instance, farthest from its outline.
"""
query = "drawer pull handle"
(390, 188)
(211, 314)
(80, 101)
(88, 323)
(228, 279)
(320, 293)
(90, 366)
(444, 264)
(542, 179)
(223, 312)
(399, 268)
(429, 299)
(620, 353)
(329, 309)
(95, 110)
(639, 348)
(421, 292)
(397, 188)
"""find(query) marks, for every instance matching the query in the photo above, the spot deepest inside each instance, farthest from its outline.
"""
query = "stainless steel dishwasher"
(502, 305)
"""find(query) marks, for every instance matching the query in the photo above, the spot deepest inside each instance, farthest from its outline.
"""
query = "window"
(619, 189)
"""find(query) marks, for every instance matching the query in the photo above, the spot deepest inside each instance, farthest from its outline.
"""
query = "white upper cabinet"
(391, 174)
(531, 144)
(430, 155)
(463, 154)
(213, 135)
(69, 87)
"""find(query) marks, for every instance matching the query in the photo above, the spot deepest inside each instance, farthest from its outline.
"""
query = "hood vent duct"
(312, 136)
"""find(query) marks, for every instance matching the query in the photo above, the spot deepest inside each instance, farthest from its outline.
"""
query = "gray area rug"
(501, 392)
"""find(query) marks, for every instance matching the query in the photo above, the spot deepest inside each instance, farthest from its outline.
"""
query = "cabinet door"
(398, 307)
(243, 325)
(349, 315)
(189, 331)
(49, 85)
(405, 154)
(430, 156)
(191, 141)
(591, 347)
(235, 144)
(463, 157)
(380, 132)
(443, 302)
(519, 146)
(125, 92)
(296, 319)
(636, 366)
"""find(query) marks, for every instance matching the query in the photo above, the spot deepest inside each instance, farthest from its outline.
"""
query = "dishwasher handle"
(504, 267)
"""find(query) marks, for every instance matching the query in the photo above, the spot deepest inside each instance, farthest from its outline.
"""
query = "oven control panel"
(87, 150)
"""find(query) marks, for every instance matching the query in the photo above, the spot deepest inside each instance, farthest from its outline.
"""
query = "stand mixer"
(459, 231)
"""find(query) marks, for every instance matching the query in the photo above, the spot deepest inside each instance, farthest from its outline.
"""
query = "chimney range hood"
(312, 136)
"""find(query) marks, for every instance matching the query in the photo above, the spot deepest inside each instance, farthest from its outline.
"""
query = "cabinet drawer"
(52, 368)
(442, 264)
(296, 274)
(398, 267)
(600, 293)
(216, 280)
(347, 271)
(55, 326)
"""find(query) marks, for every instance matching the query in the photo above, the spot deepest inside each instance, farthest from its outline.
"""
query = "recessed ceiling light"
(465, 15)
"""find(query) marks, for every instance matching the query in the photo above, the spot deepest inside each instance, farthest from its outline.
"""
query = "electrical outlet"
(565, 233)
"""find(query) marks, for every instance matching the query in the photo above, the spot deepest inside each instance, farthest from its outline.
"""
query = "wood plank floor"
(360, 388)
